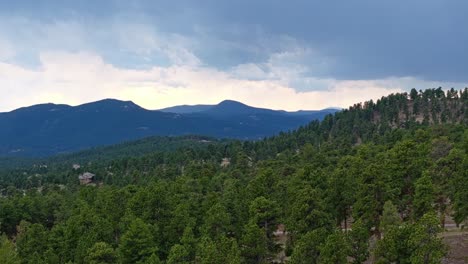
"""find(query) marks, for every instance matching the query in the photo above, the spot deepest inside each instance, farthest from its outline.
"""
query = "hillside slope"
(369, 121)
(358, 186)
(371, 184)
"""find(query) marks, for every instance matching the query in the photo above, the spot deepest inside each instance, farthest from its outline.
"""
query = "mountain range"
(49, 129)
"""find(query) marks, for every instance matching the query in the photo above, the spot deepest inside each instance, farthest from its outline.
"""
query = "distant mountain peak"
(111, 101)
(110, 105)
(186, 109)
(42, 107)
(231, 107)
(231, 102)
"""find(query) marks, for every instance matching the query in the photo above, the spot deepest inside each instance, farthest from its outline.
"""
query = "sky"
(276, 54)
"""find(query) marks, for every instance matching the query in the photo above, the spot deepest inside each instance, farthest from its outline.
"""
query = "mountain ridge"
(185, 108)
(49, 129)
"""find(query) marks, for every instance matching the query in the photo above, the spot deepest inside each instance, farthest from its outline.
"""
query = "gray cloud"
(363, 39)
(343, 40)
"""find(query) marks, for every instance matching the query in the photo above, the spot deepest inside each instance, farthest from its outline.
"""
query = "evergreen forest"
(383, 181)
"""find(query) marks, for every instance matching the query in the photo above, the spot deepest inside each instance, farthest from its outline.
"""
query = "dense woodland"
(374, 182)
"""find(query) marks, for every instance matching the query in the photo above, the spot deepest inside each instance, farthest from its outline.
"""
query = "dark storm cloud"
(365, 39)
(425, 39)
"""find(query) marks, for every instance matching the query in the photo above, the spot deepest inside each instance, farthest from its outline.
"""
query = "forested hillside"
(376, 182)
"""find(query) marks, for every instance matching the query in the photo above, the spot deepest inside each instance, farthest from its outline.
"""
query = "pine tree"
(137, 243)
(359, 242)
(307, 248)
(8, 253)
(395, 247)
(101, 253)
(217, 221)
(178, 255)
(424, 196)
(32, 240)
(390, 216)
(335, 249)
(428, 248)
(254, 244)
(263, 213)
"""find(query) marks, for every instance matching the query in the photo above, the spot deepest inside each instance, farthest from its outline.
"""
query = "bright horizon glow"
(89, 79)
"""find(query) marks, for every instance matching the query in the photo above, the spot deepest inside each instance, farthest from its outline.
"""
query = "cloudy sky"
(268, 53)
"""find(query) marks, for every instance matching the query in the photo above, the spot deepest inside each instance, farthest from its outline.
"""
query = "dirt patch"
(457, 241)
(281, 238)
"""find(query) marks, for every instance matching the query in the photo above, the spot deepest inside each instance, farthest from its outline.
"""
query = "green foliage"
(395, 246)
(101, 253)
(412, 243)
(224, 250)
(189, 242)
(307, 212)
(217, 221)
(8, 253)
(335, 249)
(307, 248)
(428, 247)
(234, 255)
(390, 216)
(263, 213)
(460, 192)
(358, 240)
(254, 244)
(178, 254)
(137, 243)
(371, 197)
(342, 188)
(153, 259)
(31, 241)
(424, 196)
